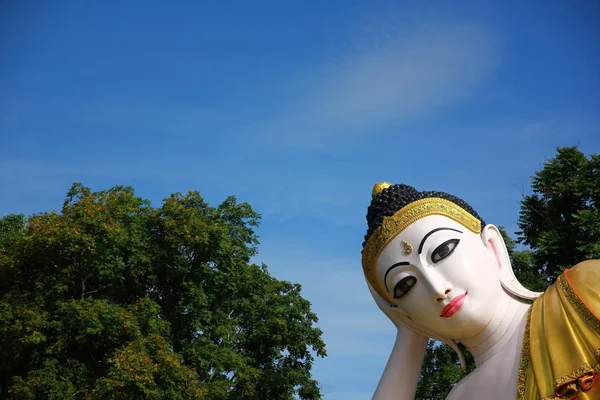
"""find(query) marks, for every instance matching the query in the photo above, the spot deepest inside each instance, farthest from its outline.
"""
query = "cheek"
(480, 264)
(420, 307)
(488, 259)
(487, 287)
(412, 303)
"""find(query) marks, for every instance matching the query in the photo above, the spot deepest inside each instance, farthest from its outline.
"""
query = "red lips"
(453, 306)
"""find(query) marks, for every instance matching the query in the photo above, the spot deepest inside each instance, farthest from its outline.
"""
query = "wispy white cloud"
(393, 76)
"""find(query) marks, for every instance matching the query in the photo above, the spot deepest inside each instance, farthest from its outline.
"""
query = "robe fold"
(560, 356)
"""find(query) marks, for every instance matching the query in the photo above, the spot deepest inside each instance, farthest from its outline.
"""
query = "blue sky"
(297, 107)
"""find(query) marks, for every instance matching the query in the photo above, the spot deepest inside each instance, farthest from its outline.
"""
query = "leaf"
(112, 298)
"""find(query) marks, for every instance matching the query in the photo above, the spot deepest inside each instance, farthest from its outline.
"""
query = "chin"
(467, 323)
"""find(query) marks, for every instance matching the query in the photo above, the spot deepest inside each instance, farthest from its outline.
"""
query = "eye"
(444, 250)
(404, 286)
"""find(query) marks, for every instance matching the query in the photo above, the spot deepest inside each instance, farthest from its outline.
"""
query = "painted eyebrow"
(391, 268)
(432, 232)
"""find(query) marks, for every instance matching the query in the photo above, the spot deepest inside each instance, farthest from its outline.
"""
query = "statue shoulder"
(584, 279)
(586, 274)
(585, 267)
(563, 335)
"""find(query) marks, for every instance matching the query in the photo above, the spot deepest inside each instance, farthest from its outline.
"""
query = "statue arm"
(401, 374)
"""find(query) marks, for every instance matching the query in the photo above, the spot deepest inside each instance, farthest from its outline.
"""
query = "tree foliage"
(114, 299)
(560, 220)
(560, 225)
(441, 370)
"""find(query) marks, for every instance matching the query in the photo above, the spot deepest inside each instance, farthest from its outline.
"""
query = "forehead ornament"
(393, 225)
(407, 248)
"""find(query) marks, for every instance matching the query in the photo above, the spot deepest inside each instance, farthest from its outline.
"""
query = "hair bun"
(379, 187)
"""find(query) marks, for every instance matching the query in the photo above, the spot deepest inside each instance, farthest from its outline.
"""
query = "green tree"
(114, 299)
(560, 220)
(12, 228)
(441, 371)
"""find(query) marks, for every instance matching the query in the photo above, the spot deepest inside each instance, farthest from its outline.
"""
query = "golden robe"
(560, 358)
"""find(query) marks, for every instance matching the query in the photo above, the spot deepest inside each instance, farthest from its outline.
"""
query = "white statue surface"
(438, 271)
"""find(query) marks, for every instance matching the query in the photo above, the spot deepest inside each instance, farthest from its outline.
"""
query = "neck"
(506, 320)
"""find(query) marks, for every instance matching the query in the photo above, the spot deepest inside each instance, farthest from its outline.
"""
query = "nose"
(441, 298)
(439, 287)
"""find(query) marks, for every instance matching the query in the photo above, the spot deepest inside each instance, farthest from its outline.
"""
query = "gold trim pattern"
(524, 361)
(567, 392)
(392, 226)
(579, 306)
(573, 376)
(581, 379)
(570, 385)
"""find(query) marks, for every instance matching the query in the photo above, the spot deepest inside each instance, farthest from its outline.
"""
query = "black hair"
(393, 198)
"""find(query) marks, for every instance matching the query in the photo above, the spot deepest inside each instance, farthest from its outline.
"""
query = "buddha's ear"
(493, 241)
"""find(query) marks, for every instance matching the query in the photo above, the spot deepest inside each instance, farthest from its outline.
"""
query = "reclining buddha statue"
(438, 271)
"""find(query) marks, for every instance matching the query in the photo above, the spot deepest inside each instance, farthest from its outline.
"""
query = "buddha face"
(442, 276)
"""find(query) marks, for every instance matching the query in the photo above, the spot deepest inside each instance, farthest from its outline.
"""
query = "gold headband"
(392, 226)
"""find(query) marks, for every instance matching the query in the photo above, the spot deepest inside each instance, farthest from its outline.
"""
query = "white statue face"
(450, 283)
